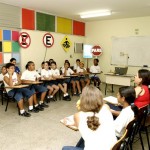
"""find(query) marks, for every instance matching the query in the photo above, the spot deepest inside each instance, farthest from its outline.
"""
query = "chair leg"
(7, 104)
(140, 136)
(2, 98)
(147, 137)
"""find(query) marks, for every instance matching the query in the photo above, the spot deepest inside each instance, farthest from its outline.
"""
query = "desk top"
(32, 82)
(125, 75)
(16, 86)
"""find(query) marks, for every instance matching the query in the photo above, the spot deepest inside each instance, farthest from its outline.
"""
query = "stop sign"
(96, 50)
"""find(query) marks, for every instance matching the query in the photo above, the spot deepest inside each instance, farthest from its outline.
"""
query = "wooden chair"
(120, 143)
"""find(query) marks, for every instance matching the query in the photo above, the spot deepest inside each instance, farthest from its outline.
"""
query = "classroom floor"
(42, 131)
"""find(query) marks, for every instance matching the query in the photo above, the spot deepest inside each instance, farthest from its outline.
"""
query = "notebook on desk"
(121, 70)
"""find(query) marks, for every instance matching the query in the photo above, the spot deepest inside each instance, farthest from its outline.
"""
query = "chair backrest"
(119, 143)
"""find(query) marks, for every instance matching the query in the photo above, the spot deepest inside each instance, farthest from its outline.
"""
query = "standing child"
(29, 76)
(11, 78)
(62, 86)
(95, 69)
(47, 75)
(67, 71)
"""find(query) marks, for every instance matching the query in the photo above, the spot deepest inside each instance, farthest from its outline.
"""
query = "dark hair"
(3, 67)
(12, 59)
(42, 62)
(91, 101)
(8, 65)
(128, 93)
(77, 60)
(53, 63)
(28, 64)
(97, 60)
(145, 75)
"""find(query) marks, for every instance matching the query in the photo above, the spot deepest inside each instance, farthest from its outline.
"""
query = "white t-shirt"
(75, 66)
(55, 72)
(46, 73)
(121, 122)
(29, 75)
(14, 79)
(95, 69)
(69, 71)
(80, 70)
(104, 137)
(1, 77)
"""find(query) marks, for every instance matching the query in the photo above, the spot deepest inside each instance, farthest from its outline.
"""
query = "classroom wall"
(36, 51)
(101, 32)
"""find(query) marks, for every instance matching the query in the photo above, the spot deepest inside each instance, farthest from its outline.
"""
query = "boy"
(76, 65)
(13, 61)
(11, 78)
(95, 69)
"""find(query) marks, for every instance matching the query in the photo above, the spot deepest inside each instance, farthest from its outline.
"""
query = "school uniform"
(17, 94)
(32, 76)
(82, 70)
(68, 73)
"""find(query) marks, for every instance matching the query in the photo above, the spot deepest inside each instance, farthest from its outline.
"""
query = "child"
(67, 71)
(94, 121)
(83, 75)
(62, 86)
(47, 75)
(42, 67)
(11, 78)
(76, 65)
(3, 72)
(95, 69)
(29, 76)
(13, 61)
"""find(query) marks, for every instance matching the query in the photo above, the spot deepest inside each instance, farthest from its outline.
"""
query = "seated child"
(11, 78)
(95, 69)
(67, 71)
(76, 65)
(42, 67)
(62, 85)
(83, 75)
(46, 74)
(3, 72)
(29, 76)
(13, 61)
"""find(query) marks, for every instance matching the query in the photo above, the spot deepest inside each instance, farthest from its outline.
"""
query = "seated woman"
(142, 81)
(92, 123)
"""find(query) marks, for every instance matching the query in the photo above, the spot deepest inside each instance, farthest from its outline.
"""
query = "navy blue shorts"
(37, 88)
(21, 93)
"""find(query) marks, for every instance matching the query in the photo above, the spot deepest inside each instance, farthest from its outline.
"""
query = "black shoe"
(33, 110)
(25, 114)
(52, 99)
(67, 98)
(44, 105)
(39, 108)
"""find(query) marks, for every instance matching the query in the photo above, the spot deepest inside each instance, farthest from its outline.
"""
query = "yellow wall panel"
(64, 25)
(7, 47)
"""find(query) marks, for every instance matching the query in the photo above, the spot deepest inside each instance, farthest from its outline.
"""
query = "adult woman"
(92, 123)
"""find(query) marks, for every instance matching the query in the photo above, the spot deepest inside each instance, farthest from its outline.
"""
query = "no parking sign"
(96, 50)
(48, 40)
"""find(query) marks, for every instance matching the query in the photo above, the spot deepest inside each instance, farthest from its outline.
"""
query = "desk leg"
(105, 88)
(112, 88)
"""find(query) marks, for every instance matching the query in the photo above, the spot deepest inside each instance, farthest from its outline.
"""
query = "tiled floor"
(42, 131)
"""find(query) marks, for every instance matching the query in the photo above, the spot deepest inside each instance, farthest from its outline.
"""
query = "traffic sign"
(48, 40)
(96, 50)
(24, 40)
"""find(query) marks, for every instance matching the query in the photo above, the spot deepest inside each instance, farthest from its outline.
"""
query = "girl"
(92, 123)
(67, 71)
(47, 75)
(29, 76)
(62, 85)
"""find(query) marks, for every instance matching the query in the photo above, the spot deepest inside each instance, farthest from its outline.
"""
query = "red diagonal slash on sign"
(24, 40)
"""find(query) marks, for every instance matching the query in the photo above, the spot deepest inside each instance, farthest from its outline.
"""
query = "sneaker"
(52, 99)
(44, 105)
(67, 98)
(25, 114)
(33, 110)
(39, 108)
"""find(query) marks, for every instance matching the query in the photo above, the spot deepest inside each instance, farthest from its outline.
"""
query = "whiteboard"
(131, 51)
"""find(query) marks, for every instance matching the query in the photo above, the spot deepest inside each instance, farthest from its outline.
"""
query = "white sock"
(51, 96)
(36, 105)
(30, 107)
(22, 111)
(67, 94)
(41, 102)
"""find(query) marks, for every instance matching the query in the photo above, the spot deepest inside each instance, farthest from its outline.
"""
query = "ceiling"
(73, 8)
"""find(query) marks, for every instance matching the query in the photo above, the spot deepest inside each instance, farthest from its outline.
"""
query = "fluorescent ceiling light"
(96, 14)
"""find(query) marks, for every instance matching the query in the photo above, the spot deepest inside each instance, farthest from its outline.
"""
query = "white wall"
(36, 51)
(101, 32)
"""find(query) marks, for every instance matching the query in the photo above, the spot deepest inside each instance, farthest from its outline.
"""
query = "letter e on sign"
(48, 40)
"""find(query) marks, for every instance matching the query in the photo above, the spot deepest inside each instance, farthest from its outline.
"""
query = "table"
(17, 86)
(114, 79)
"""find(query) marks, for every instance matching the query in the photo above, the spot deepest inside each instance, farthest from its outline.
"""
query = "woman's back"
(104, 137)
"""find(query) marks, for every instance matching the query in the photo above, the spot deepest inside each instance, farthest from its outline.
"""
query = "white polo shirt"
(69, 71)
(30, 75)
(80, 70)
(55, 72)
(46, 73)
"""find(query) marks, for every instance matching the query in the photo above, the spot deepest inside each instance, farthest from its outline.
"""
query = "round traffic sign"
(96, 50)
(24, 40)
(48, 40)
